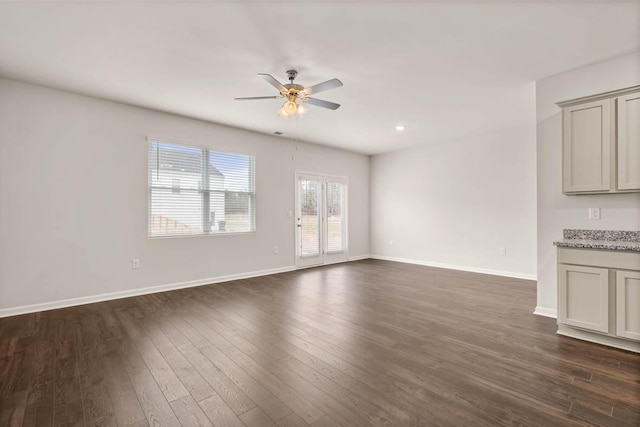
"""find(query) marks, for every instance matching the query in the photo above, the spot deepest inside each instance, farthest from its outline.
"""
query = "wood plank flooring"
(367, 343)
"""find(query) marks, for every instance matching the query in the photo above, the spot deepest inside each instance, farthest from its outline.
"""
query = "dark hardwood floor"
(367, 343)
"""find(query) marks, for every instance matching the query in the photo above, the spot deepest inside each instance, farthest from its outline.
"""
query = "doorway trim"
(325, 257)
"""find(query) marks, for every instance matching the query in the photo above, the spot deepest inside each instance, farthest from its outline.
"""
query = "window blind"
(197, 191)
(310, 217)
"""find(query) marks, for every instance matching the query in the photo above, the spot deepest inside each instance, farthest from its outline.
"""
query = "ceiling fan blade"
(321, 103)
(249, 98)
(273, 82)
(320, 87)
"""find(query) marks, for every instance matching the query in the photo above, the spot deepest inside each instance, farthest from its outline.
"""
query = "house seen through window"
(196, 191)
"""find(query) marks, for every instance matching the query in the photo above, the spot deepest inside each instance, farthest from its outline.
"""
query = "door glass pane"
(335, 216)
(310, 217)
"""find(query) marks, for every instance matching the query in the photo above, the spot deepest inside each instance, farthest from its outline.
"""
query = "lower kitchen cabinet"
(584, 297)
(628, 304)
(599, 296)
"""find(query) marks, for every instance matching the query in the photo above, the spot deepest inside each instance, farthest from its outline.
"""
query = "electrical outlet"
(290, 214)
(594, 213)
(503, 251)
(275, 250)
(390, 242)
(135, 263)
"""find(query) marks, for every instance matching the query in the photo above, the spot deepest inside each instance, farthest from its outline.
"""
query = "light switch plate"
(594, 213)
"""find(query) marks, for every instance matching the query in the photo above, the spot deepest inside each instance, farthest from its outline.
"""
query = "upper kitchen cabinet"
(628, 141)
(601, 143)
(587, 147)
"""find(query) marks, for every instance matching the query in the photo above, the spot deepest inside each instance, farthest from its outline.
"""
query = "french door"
(321, 220)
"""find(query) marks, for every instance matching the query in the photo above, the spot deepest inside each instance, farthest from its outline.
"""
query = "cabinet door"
(587, 147)
(628, 304)
(628, 161)
(583, 297)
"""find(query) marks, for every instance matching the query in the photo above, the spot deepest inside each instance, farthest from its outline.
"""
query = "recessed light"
(400, 128)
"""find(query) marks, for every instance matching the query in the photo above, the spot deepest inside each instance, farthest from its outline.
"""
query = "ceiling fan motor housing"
(292, 75)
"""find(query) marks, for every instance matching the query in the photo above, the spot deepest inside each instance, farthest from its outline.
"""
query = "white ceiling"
(444, 69)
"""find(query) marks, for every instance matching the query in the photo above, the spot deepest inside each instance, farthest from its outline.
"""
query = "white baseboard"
(547, 312)
(359, 257)
(14, 311)
(458, 267)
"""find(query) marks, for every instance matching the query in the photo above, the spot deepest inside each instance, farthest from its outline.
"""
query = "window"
(196, 191)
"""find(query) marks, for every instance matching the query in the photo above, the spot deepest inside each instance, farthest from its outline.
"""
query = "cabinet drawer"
(600, 258)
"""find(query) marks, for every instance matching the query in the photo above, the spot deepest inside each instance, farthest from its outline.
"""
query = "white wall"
(455, 203)
(556, 211)
(73, 198)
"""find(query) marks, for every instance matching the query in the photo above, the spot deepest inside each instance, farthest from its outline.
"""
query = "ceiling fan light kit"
(296, 94)
(291, 108)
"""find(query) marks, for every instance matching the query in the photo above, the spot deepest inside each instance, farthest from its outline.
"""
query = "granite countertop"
(600, 239)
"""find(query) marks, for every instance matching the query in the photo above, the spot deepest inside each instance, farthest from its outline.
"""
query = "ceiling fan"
(296, 94)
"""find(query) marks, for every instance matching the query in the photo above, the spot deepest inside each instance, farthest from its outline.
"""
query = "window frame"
(151, 139)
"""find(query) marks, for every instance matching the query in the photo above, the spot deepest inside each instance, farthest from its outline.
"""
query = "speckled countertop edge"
(598, 244)
(604, 235)
(600, 239)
